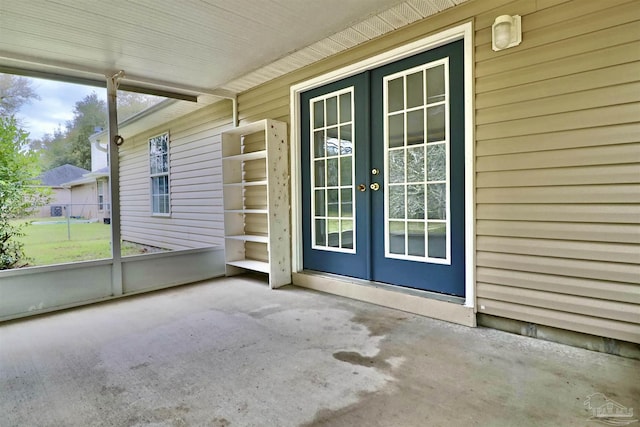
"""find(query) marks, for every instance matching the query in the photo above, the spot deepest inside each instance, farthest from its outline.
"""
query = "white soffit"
(398, 16)
(214, 47)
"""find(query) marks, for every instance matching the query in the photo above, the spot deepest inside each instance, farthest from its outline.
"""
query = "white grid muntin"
(421, 68)
(339, 188)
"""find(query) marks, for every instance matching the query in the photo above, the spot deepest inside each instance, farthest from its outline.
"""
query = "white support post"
(114, 184)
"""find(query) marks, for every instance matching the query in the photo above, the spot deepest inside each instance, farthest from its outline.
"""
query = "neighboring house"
(87, 193)
(78, 192)
(89, 196)
(61, 197)
(530, 223)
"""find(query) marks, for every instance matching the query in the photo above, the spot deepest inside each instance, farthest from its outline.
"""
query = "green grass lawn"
(47, 244)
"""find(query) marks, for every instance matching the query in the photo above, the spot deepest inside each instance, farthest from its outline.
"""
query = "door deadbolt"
(375, 186)
(375, 171)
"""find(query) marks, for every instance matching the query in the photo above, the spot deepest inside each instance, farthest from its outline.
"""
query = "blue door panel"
(447, 279)
(348, 264)
(369, 261)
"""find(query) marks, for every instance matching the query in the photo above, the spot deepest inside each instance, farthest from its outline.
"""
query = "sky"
(55, 106)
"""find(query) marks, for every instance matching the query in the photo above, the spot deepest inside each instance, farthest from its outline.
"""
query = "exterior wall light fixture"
(506, 32)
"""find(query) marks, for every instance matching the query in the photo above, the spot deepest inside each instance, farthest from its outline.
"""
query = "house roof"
(207, 49)
(87, 178)
(100, 171)
(62, 174)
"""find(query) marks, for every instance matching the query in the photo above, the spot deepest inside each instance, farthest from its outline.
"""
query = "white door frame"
(460, 32)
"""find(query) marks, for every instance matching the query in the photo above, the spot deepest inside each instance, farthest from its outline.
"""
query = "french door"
(382, 158)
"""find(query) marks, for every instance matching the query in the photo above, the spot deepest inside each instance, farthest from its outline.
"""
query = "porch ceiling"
(191, 47)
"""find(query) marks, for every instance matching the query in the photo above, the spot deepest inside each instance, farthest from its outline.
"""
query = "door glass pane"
(334, 233)
(416, 246)
(396, 202)
(435, 123)
(346, 141)
(415, 89)
(437, 239)
(415, 127)
(396, 131)
(435, 84)
(318, 114)
(332, 172)
(321, 232)
(346, 203)
(319, 203)
(319, 173)
(332, 111)
(397, 237)
(333, 143)
(318, 143)
(436, 201)
(332, 203)
(345, 107)
(396, 166)
(437, 162)
(346, 173)
(415, 201)
(347, 234)
(417, 163)
(396, 94)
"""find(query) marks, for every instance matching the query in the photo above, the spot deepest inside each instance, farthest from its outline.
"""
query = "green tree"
(15, 91)
(131, 103)
(71, 145)
(53, 149)
(18, 192)
(88, 114)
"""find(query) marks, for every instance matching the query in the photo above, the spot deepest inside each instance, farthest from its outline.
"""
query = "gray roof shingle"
(58, 176)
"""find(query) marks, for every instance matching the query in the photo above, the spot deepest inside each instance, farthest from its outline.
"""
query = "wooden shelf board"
(248, 211)
(251, 264)
(245, 184)
(259, 126)
(249, 238)
(262, 154)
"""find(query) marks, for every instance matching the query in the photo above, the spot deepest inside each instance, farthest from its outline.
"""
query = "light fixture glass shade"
(506, 32)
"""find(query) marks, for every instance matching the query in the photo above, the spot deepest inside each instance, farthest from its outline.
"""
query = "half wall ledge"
(400, 299)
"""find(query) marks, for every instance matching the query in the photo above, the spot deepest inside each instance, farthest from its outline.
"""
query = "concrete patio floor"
(230, 352)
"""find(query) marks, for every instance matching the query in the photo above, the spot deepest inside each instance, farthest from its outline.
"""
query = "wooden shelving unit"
(256, 200)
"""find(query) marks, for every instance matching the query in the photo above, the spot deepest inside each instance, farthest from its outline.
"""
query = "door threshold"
(430, 304)
(394, 288)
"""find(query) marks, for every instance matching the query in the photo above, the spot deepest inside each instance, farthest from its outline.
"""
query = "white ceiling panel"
(197, 46)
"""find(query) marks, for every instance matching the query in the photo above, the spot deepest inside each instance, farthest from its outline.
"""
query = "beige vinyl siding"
(557, 158)
(84, 201)
(195, 183)
(558, 170)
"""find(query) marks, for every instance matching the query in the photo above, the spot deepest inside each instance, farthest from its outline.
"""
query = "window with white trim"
(159, 174)
(100, 185)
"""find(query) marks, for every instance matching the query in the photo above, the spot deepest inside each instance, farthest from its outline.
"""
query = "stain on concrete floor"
(233, 353)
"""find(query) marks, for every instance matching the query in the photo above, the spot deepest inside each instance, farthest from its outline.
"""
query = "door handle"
(375, 186)
(362, 187)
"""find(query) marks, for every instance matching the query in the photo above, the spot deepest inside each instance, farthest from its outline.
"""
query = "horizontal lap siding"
(557, 158)
(195, 183)
(558, 170)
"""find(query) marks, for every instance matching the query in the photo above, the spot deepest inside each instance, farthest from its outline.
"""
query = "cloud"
(55, 106)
